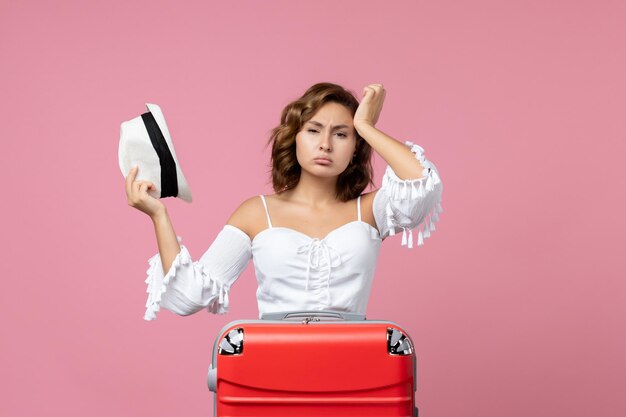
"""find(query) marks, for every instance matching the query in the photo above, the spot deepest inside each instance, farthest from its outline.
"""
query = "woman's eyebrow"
(334, 127)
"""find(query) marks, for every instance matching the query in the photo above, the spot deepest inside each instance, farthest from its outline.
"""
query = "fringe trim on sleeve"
(155, 288)
(219, 300)
(427, 188)
(218, 303)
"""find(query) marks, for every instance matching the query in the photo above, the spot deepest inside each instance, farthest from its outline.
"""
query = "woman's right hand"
(138, 197)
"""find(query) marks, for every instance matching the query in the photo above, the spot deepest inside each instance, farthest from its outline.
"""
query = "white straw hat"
(146, 141)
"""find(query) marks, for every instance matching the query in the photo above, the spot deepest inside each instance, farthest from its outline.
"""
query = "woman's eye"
(343, 135)
(312, 130)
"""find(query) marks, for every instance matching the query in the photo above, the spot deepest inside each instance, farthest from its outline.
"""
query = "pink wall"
(517, 301)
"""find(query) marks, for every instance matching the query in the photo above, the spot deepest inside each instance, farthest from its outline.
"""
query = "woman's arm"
(410, 195)
(166, 238)
(397, 155)
(184, 286)
(138, 197)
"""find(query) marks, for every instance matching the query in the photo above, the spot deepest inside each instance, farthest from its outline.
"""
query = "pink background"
(516, 303)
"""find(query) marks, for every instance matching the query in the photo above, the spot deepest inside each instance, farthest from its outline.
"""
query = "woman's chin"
(323, 172)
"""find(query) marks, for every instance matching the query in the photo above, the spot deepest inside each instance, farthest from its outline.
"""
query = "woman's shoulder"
(367, 204)
(368, 198)
(249, 216)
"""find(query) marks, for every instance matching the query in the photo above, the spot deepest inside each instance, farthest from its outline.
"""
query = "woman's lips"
(322, 161)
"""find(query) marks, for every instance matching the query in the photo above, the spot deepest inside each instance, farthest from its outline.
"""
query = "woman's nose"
(325, 141)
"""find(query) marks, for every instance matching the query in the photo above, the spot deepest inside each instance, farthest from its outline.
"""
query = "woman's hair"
(285, 167)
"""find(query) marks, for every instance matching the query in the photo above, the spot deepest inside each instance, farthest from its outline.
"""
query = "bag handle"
(312, 315)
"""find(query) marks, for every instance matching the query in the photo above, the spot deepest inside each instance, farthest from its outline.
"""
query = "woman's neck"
(314, 191)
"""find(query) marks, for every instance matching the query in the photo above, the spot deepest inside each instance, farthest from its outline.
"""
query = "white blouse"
(293, 270)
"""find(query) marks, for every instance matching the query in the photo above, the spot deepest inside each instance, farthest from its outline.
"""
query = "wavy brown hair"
(285, 167)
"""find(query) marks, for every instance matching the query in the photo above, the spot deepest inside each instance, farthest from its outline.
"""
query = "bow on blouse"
(317, 249)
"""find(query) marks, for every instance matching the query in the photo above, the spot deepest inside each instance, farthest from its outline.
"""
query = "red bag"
(313, 363)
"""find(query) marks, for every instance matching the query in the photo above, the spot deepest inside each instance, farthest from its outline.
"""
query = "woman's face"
(326, 143)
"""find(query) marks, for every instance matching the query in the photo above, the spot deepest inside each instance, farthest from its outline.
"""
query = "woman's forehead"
(333, 113)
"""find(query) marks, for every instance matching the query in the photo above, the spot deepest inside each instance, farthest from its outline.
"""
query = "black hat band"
(169, 180)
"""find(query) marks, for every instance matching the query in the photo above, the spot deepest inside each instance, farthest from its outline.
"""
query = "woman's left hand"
(371, 104)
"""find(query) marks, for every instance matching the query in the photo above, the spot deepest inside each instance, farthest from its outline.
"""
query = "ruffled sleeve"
(404, 205)
(190, 286)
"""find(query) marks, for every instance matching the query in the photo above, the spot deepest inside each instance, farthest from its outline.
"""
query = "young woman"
(315, 242)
